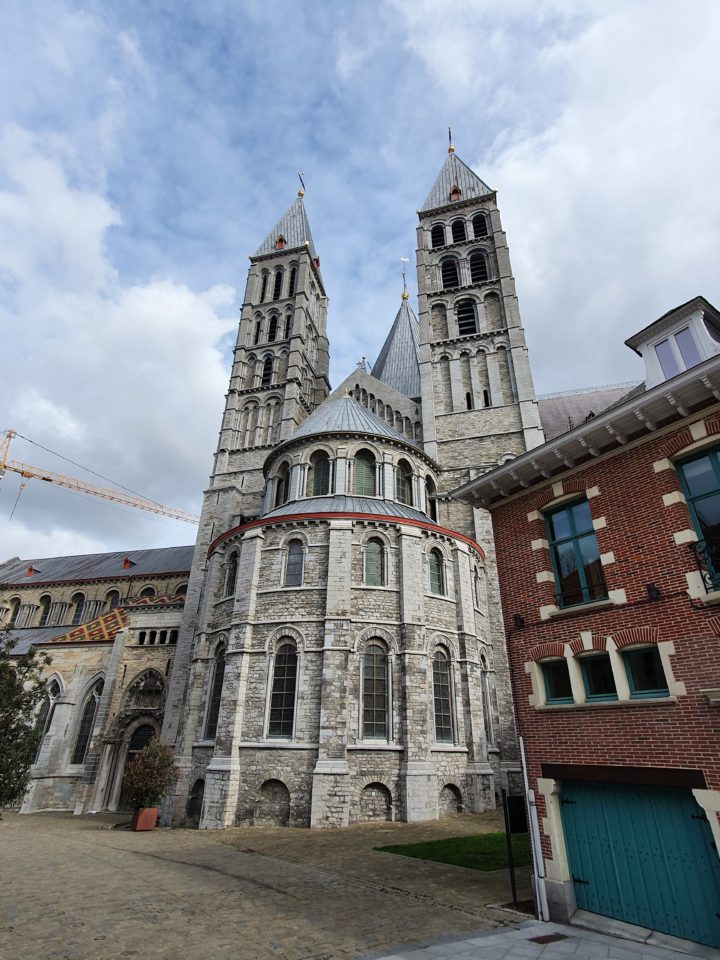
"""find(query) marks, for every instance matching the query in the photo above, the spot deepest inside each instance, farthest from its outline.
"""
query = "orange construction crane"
(81, 486)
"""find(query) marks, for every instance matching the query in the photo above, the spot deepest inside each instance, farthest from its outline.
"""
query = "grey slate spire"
(454, 173)
(294, 229)
(398, 364)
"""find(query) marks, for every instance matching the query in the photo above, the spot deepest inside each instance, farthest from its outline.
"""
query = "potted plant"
(148, 777)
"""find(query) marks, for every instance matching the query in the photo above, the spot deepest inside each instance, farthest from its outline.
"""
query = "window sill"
(276, 743)
(711, 598)
(580, 608)
(447, 748)
(376, 745)
(606, 704)
(204, 743)
(369, 586)
(440, 596)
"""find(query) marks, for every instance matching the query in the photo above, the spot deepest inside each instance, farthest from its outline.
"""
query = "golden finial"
(451, 148)
(301, 191)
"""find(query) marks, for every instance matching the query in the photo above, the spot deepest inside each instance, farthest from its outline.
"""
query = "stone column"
(496, 395)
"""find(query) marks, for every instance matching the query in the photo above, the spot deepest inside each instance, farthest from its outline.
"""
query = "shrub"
(150, 774)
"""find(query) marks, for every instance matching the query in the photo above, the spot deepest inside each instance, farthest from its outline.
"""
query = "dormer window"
(455, 193)
(677, 352)
(280, 243)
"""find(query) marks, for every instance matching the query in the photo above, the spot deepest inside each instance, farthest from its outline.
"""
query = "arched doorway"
(140, 737)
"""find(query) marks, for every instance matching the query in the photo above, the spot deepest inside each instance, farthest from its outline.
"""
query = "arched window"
(282, 484)
(277, 285)
(282, 695)
(45, 605)
(87, 720)
(44, 718)
(437, 235)
(14, 610)
(478, 267)
(458, 231)
(293, 281)
(112, 600)
(469, 400)
(467, 323)
(364, 474)
(430, 498)
(263, 289)
(375, 692)
(294, 564)
(147, 592)
(267, 370)
(374, 563)
(318, 482)
(486, 398)
(288, 325)
(449, 273)
(146, 690)
(437, 572)
(231, 573)
(272, 328)
(442, 697)
(486, 702)
(258, 331)
(480, 225)
(216, 686)
(403, 482)
(78, 605)
(181, 590)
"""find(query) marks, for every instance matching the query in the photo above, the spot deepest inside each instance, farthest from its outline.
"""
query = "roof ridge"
(575, 391)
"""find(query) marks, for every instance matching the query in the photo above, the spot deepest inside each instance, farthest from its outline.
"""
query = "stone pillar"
(496, 395)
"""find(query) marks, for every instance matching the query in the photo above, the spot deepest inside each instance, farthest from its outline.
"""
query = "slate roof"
(294, 227)
(560, 412)
(96, 566)
(398, 364)
(34, 636)
(342, 503)
(345, 415)
(454, 172)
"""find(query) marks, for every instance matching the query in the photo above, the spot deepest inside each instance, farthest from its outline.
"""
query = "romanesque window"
(467, 322)
(14, 610)
(364, 484)
(112, 600)
(375, 701)
(294, 564)
(181, 590)
(442, 697)
(293, 281)
(267, 370)
(263, 289)
(318, 481)
(288, 325)
(458, 231)
(480, 225)
(282, 695)
(437, 235)
(231, 573)
(403, 482)
(277, 285)
(147, 593)
(87, 720)
(272, 328)
(258, 331)
(430, 498)
(478, 267)
(78, 605)
(374, 563)
(282, 484)
(44, 718)
(45, 605)
(213, 710)
(437, 572)
(449, 273)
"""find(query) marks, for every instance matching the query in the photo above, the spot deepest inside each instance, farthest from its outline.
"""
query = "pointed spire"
(398, 364)
(456, 181)
(292, 230)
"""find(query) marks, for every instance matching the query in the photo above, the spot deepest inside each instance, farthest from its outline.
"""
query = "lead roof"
(398, 364)
(454, 173)
(97, 566)
(342, 503)
(345, 415)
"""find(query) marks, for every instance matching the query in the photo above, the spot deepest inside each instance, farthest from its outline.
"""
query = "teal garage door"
(644, 855)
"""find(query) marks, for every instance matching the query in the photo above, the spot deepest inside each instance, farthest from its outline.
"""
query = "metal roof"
(34, 636)
(345, 415)
(561, 412)
(398, 364)
(342, 503)
(293, 226)
(96, 566)
(454, 173)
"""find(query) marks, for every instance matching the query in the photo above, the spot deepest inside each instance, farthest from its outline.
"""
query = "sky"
(147, 147)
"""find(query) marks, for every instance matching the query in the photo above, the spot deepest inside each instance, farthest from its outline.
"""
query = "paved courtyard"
(73, 887)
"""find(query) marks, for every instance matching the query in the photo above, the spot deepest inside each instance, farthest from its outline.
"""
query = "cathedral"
(336, 652)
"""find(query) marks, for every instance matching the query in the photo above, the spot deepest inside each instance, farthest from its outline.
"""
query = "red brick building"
(608, 551)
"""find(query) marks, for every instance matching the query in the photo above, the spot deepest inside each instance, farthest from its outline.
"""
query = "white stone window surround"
(270, 676)
(705, 345)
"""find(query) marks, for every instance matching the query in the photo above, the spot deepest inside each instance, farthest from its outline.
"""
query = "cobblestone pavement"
(70, 887)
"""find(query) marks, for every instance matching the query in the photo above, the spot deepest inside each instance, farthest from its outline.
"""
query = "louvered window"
(277, 286)
(272, 329)
(293, 281)
(365, 474)
(458, 231)
(480, 226)
(263, 291)
(319, 474)
(467, 324)
(450, 275)
(478, 267)
(267, 370)
(437, 235)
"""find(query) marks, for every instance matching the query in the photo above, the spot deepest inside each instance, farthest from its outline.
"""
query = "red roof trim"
(340, 515)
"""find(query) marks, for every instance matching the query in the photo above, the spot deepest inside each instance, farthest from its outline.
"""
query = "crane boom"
(82, 486)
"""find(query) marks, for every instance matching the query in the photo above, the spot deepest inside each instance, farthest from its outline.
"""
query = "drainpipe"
(538, 860)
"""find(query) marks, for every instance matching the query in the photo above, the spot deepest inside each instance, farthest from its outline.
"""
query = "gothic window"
(437, 572)
(288, 325)
(449, 273)
(487, 705)
(364, 474)
(82, 741)
(231, 573)
(293, 281)
(374, 563)
(45, 605)
(267, 370)
(272, 329)
(277, 285)
(147, 593)
(258, 331)
(458, 231)
(44, 718)
(318, 482)
(467, 323)
(375, 699)
(403, 482)
(294, 564)
(478, 267)
(78, 605)
(430, 498)
(480, 225)
(216, 686)
(437, 235)
(282, 484)
(282, 696)
(112, 600)
(442, 697)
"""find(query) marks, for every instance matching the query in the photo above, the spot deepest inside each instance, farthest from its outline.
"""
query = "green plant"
(150, 774)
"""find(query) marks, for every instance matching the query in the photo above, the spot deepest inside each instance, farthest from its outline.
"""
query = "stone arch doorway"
(450, 801)
(272, 806)
(138, 739)
(193, 811)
